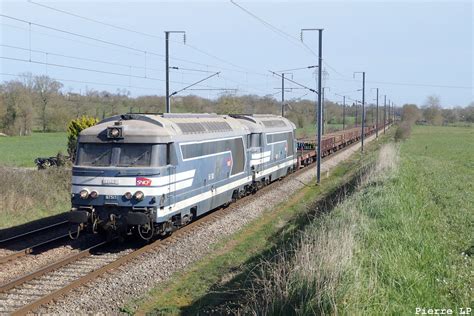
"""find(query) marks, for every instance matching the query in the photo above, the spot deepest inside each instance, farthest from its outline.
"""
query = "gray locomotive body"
(151, 174)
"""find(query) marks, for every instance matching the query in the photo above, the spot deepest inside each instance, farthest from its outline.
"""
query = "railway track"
(35, 289)
(29, 242)
(30, 291)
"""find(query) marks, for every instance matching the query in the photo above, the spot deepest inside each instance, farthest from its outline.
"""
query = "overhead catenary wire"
(146, 54)
(300, 68)
(297, 83)
(90, 70)
(80, 58)
(411, 84)
(85, 82)
(122, 28)
(194, 84)
(290, 38)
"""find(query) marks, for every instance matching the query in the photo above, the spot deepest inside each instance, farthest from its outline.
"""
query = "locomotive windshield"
(137, 155)
(121, 155)
(98, 155)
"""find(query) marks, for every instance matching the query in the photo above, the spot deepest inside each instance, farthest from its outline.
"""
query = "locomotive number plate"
(110, 197)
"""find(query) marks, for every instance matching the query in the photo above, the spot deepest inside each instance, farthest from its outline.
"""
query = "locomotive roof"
(258, 123)
(165, 128)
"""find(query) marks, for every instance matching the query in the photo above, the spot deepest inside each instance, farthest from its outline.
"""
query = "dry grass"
(30, 194)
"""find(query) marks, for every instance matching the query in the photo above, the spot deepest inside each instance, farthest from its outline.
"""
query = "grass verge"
(215, 278)
(403, 241)
(31, 194)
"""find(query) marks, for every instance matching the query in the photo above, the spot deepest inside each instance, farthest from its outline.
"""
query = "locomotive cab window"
(135, 155)
(122, 155)
(96, 155)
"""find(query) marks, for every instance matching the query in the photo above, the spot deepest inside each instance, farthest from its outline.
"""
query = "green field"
(21, 151)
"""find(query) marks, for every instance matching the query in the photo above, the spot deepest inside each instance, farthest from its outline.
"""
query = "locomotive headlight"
(94, 194)
(84, 194)
(128, 195)
(114, 132)
(139, 195)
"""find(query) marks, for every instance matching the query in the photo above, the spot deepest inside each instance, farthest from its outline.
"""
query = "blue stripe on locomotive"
(212, 174)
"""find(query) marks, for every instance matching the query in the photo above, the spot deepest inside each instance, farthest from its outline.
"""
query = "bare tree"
(432, 110)
(47, 89)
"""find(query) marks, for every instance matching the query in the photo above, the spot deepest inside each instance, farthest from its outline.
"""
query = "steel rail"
(33, 232)
(104, 269)
(53, 266)
(30, 249)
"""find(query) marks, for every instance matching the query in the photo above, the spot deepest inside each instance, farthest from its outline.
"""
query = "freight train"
(149, 174)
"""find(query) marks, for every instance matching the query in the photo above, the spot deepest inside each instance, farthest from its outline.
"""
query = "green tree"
(74, 128)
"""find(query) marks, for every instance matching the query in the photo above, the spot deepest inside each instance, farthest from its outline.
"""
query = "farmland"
(21, 151)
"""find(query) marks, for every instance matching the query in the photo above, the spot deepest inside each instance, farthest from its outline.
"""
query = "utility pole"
(384, 112)
(362, 133)
(377, 113)
(324, 107)
(389, 114)
(322, 113)
(355, 119)
(393, 109)
(343, 110)
(377, 121)
(283, 95)
(167, 66)
(319, 119)
(283, 92)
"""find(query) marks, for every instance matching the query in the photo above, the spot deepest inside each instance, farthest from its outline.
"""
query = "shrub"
(73, 129)
(403, 131)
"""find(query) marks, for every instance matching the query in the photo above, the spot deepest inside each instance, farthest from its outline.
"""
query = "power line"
(194, 84)
(294, 40)
(297, 83)
(93, 70)
(79, 35)
(143, 53)
(80, 68)
(87, 82)
(135, 32)
(300, 68)
(80, 58)
(71, 40)
(333, 69)
(411, 84)
(190, 69)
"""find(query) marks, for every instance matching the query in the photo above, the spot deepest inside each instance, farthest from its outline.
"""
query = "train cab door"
(172, 186)
(171, 161)
(258, 159)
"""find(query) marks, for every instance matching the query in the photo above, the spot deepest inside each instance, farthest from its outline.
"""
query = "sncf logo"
(143, 182)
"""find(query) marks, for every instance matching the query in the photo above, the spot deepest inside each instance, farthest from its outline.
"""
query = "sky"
(408, 49)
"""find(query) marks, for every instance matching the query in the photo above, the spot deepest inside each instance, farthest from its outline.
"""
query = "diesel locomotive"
(149, 174)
